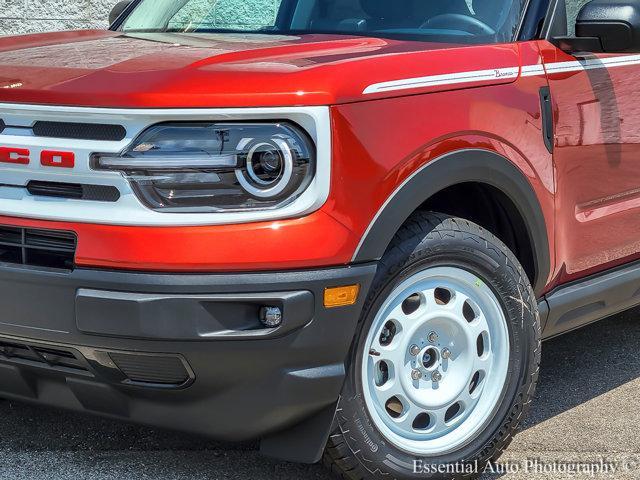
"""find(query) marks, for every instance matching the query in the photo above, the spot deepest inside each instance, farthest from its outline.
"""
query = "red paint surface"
(109, 69)
(378, 143)
(597, 113)
(588, 191)
(259, 246)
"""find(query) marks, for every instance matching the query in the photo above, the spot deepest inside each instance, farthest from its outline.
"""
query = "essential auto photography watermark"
(532, 467)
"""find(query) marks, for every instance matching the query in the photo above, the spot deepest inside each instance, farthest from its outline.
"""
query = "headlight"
(216, 167)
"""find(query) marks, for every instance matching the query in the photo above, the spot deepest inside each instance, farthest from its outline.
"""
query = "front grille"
(50, 357)
(40, 248)
(165, 370)
(77, 191)
(80, 131)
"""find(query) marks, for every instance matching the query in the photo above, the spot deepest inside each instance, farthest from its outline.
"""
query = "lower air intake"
(48, 357)
(165, 370)
(39, 248)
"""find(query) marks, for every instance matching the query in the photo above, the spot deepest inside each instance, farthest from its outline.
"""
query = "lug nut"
(436, 376)
(446, 353)
(433, 337)
(416, 374)
(414, 350)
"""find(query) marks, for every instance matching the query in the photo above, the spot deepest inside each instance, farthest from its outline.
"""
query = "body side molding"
(592, 299)
(463, 166)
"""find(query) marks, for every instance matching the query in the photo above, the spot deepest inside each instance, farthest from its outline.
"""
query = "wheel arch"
(460, 167)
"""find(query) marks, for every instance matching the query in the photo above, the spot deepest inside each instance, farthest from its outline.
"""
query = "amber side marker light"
(341, 296)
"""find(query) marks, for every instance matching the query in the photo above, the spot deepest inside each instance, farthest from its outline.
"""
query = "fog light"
(271, 317)
(341, 296)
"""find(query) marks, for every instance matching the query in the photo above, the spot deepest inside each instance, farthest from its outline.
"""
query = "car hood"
(112, 69)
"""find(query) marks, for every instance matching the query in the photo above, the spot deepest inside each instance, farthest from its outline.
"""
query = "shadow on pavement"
(585, 364)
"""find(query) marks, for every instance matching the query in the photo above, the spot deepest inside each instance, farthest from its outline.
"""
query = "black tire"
(356, 449)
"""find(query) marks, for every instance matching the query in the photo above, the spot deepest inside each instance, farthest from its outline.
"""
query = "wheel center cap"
(429, 358)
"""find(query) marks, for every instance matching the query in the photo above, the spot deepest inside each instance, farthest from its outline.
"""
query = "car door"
(596, 104)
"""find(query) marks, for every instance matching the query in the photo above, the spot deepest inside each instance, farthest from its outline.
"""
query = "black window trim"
(532, 24)
(555, 24)
(115, 26)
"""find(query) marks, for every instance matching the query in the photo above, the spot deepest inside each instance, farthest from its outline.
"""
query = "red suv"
(341, 227)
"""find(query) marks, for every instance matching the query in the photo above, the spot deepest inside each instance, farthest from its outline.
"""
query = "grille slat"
(40, 248)
(50, 241)
(52, 247)
(77, 191)
(10, 235)
(80, 131)
(51, 189)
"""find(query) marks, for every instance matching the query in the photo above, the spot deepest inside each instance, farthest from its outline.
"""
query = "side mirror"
(118, 10)
(611, 26)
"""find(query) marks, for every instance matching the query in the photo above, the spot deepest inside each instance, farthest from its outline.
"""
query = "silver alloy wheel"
(435, 361)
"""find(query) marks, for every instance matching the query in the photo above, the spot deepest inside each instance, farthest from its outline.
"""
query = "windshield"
(451, 21)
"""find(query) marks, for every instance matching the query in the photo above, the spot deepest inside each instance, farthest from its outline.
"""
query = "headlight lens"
(216, 167)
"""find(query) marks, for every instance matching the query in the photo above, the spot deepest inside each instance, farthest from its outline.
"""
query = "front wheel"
(446, 360)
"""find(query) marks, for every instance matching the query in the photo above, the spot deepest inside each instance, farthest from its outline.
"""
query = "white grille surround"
(128, 210)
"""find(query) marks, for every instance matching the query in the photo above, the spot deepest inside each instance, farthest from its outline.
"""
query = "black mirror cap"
(118, 10)
(616, 23)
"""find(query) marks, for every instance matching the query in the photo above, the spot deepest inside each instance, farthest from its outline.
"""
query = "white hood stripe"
(447, 79)
(511, 72)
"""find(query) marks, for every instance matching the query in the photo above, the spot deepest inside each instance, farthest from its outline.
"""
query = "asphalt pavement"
(585, 418)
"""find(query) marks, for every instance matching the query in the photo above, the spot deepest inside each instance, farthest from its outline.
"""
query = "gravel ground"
(586, 410)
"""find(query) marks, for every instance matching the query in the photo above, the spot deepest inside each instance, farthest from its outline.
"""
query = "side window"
(573, 8)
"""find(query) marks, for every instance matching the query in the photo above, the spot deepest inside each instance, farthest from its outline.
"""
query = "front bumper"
(185, 352)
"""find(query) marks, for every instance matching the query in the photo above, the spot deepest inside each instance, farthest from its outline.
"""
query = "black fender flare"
(463, 166)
